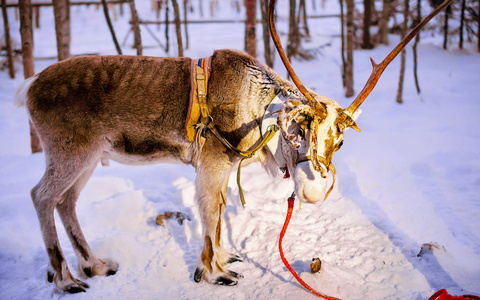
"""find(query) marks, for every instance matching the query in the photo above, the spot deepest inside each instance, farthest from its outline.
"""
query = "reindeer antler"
(378, 69)
(283, 56)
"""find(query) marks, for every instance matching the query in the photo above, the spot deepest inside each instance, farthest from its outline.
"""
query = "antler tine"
(378, 69)
(283, 56)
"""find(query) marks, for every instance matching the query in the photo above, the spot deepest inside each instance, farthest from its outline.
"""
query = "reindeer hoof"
(105, 267)
(235, 274)
(76, 287)
(197, 276)
(233, 259)
(75, 290)
(225, 280)
(111, 272)
(50, 275)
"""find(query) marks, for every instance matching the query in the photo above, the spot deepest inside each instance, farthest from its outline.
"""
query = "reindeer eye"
(302, 132)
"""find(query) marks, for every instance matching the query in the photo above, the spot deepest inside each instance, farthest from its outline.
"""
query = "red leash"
(443, 295)
(291, 200)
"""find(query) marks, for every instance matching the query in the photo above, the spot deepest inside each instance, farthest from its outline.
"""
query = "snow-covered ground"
(412, 176)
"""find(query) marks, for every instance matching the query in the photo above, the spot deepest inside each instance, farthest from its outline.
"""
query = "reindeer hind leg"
(60, 174)
(88, 264)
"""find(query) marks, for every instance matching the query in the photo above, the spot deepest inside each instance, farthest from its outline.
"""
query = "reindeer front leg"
(211, 187)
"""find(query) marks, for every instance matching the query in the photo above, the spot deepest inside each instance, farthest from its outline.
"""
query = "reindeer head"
(312, 126)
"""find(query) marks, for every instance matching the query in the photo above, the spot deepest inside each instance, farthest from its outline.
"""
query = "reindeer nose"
(309, 184)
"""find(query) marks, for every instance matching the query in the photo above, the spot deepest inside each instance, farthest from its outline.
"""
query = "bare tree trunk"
(61, 10)
(367, 20)
(293, 34)
(342, 35)
(462, 21)
(158, 9)
(349, 91)
(266, 33)
(178, 27)
(302, 15)
(384, 22)
(250, 28)
(136, 29)
(37, 17)
(8, 41)
(185, 10)
(445, 27)
(404, 52)
(167, 38)
(26, 33)
(478, 29)
(414, 47)
(110, 26)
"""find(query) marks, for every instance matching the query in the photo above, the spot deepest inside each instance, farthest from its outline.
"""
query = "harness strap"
(198, 109)
(271, 130)
(201, 76)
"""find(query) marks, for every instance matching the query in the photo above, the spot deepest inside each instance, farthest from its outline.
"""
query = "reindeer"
(132, 109)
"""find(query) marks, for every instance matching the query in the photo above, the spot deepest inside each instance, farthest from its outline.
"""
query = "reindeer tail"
(21, 95)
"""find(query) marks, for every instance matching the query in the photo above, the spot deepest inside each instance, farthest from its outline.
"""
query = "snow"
(412, 176)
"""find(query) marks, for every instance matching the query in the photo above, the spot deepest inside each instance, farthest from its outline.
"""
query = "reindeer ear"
(345, 121)
(355, 126)
(355, 116)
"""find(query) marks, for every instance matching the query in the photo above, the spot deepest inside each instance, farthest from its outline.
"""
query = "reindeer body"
(133, 110)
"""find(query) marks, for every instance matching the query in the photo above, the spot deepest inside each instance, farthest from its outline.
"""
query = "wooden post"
(8, 42)
(250, 27)
(349, 91)
(110, 26)
(136, 28)
(61, 10)
(178, 27)
(26, 33)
